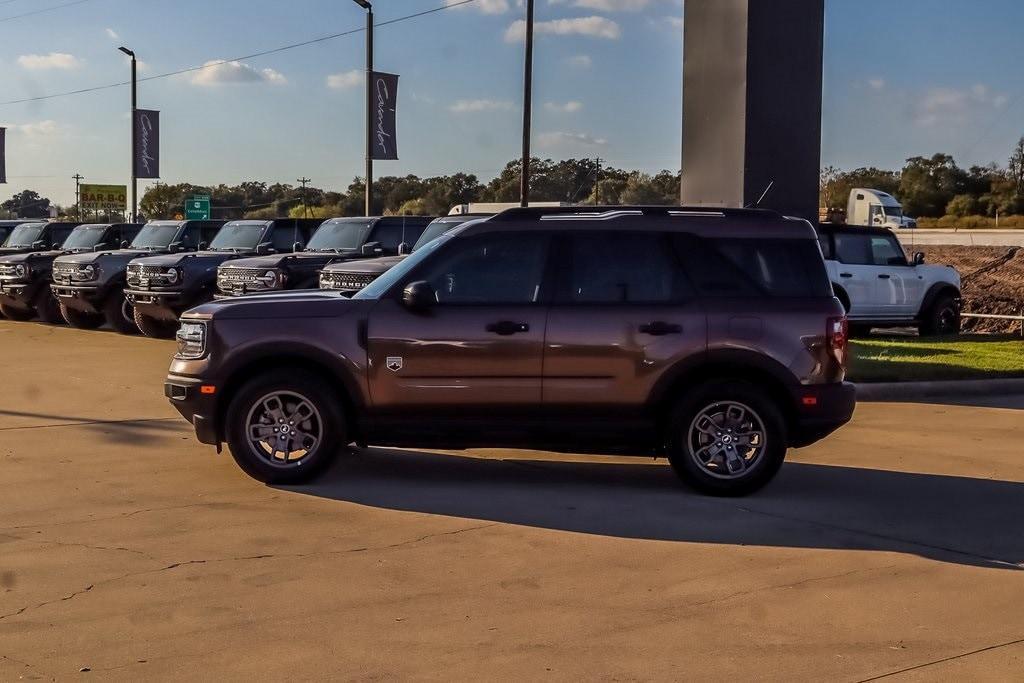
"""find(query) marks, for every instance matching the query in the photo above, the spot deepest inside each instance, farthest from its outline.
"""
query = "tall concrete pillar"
(752, 103)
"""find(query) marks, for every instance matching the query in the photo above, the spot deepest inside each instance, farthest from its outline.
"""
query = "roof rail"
(536, 213)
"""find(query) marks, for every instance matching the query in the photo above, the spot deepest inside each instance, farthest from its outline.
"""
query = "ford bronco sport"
(348, 277)
(161, 287)
(90, 285)
(879, 287)
(25, 278)
(337, 239)
(709, 336)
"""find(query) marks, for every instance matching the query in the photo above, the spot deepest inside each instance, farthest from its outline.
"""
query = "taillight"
(837, 336)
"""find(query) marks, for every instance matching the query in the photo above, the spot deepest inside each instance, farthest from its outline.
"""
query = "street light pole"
(524, 177)
(135, 180)
(365, 4)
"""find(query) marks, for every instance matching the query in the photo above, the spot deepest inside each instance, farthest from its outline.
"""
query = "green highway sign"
(197, 208)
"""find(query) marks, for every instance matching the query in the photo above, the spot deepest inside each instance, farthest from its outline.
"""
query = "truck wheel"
(726, 438)
(152, 327)
(120, 314)
(47, 308)
(80, 319)
(285, 427)
(942, 318)
(16, 314)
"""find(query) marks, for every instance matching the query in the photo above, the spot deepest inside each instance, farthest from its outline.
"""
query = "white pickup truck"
(880, 287)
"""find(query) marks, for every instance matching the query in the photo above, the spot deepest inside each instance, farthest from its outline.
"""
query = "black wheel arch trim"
(933, 293)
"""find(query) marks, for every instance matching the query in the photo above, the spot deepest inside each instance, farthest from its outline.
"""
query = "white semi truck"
(876, 209)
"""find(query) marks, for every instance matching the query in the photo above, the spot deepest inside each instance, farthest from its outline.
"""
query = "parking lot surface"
(126, 548)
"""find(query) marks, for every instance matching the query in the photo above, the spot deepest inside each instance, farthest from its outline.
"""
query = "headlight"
(20, 270)
(171, 275)
(191, 338)
(268, 279)
(85, 273)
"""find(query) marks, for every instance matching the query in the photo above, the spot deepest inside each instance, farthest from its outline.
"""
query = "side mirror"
(125, 244)
(174, 247)
(419, 297)
(203, 246)
(264, 248)
(372, 249)
(919, 258)
(404, 248)
(298, 246)
(39, 244)
(55, 246)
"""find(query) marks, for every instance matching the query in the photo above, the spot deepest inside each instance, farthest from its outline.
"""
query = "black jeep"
(90, 285)
(337, 239)
(7, 227)
(161, 288)
(36, 236)
(350, 276)
(25, 278)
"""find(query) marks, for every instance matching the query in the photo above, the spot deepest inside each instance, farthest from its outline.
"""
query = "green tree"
(963, 205)
(927, 185)
(27, 204)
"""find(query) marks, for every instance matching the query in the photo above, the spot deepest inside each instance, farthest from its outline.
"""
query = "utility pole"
(304, 180)
(78, 178)
(365, 4)
(135, 180)
(524, 177)
(597, 184)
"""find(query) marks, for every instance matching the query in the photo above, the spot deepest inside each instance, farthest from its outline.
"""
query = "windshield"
(155, 236)
(893, 211)
(241, 236)
(382, 284)
(433, 231)
(25, 235)
(338, 236)
(4, 232)
(84, 237)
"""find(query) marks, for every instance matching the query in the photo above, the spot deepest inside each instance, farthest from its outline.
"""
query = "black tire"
(942, 318)
(16, 314)
(47, 307)
(152, 327)
(80, 319)
(683, 430)
(861, 330)
(328, 421)
(120, 314)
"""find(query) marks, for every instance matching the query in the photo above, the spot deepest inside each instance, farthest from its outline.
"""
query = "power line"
(254, 55)
(40, 11)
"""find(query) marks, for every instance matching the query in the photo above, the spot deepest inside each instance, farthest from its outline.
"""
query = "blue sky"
(906, 78)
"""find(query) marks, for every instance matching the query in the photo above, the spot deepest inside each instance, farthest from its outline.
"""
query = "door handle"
(845, 274)
(660, 328)
(883, 276)
(507, 327)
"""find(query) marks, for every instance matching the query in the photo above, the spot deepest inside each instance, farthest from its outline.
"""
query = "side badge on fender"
(394, 363)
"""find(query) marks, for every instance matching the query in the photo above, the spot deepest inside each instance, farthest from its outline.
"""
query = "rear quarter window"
(725, 267)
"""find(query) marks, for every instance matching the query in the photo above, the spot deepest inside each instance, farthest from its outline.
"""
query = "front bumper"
(160, 304)
(198, 408)
(82, 298)
(820, 410)
(17, 294)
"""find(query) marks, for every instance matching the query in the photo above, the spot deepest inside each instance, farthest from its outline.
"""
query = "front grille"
(349, 282)
(231, 280)
(154, 275)
(62, 272)
(8, 271)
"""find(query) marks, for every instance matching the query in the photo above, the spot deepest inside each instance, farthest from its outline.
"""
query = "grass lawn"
(894, 359)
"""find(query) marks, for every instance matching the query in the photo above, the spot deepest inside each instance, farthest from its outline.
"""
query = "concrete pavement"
(967, 237)
(128, 549)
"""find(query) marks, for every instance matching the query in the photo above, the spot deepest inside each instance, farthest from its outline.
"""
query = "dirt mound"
(993, 282)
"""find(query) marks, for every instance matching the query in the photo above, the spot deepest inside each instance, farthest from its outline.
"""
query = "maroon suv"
(711, 337)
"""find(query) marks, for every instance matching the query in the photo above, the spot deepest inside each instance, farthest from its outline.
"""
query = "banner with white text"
(147, 143)
(383, 104)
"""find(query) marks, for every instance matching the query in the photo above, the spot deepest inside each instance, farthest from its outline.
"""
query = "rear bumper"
(820, 410)
(198, 408)
(79, 298)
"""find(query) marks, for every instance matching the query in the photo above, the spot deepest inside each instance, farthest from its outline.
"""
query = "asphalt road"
(979, 238)
(128, 549)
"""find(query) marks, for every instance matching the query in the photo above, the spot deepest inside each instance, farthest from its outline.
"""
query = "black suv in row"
(337, 239)
(160, 288)
(25, 278)
(90, 285)
(709, 336)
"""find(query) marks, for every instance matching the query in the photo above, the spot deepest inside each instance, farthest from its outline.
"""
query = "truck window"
(886, 251)
(390, 235)
(853, 249)
(284, 236)
(622, 267)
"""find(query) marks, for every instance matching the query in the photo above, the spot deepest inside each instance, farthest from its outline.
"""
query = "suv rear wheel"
(152, 327)
(285, 427)
(80, 319)
(120, 314)
(727, 438)
(942, 317)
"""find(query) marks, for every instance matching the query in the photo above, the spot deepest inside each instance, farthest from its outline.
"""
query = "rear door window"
(726, 267)
(622, 267)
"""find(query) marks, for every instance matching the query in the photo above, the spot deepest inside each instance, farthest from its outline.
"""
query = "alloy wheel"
(726, 439)
(284, 428)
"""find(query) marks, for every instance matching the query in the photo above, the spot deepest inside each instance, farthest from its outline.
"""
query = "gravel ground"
(993, 282)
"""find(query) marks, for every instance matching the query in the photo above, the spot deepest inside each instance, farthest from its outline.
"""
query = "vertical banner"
(383, 102)
(147, 143)
(3, 166)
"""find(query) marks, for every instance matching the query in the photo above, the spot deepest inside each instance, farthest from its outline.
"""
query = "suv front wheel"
(726, 438)
(285, 427)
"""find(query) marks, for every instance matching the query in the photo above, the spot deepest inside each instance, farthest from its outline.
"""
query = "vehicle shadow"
(144, 431)
(945, 518)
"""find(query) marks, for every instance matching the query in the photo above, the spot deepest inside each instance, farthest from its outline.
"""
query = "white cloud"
(482, 6)
(217, 72)
(564, 107)
(36, 129)
(580, 61)
(112, 34)
(953, 106)
(595, 27)
(473, 106)
(606, 5)
(876, 83)
(556, 138)
(54, 60)
(346, 79)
